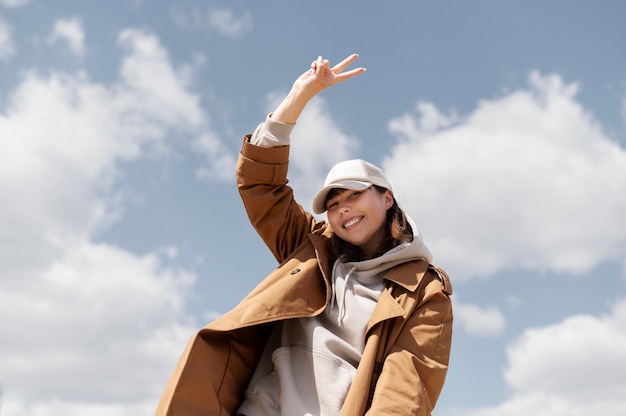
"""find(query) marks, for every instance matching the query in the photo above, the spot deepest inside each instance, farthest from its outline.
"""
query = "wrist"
(291, 107)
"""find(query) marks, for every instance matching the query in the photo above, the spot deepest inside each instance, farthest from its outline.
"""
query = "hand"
(319, 77)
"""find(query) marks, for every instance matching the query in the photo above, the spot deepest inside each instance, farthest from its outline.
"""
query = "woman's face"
(357, 216)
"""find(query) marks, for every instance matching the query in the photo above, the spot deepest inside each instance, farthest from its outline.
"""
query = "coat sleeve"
(414, 369)
(279, 220)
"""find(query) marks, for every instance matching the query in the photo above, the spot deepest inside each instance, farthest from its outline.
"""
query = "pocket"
(313, 382)
(261, 396)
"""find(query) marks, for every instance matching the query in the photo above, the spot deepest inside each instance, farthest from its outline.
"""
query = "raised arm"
(262, 168)
(319, 77)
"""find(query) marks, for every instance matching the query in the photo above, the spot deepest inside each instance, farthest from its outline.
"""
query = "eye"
(331, 205)
(355, 194)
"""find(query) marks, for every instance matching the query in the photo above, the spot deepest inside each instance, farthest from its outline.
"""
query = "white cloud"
(14, 3)
(222, 163)
(477, 320)
(163, 92)
(526, 180)
(71, 32)
(62, 136)
(109, 318)
(573, 368)
(226, 23)
(187, 16)
(223, 21)
(6, 40)
(113, 320)
(17, 407)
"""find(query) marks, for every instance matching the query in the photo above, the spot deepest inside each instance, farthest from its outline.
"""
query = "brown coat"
(406, 354)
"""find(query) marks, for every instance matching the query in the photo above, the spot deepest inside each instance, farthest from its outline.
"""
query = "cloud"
(222, 163)
(226, 23)
(63, 136)
(164, 92)
(480, 321)
(112, 319)
(528, 180)
(71, 32)
(13, 3)
(147, 69)
(6, 40)
(223, 21)
(572, 368)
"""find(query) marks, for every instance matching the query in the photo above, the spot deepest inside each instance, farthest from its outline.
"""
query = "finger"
(349, 74)
(313, 67)
(319, 66)
(344, 64)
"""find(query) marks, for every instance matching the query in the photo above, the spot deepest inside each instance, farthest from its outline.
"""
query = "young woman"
(354, 320)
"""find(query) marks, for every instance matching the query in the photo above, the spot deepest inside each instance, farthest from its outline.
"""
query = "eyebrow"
(334, 194)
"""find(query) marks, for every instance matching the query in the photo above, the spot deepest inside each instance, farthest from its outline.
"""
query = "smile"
(352, 222)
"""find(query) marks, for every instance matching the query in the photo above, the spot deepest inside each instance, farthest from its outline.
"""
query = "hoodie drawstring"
(339, 293)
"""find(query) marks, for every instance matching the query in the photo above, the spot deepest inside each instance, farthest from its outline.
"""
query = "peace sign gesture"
(316, 79)
(321, 76)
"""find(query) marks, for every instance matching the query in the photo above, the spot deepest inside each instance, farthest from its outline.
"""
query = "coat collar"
(408, 275)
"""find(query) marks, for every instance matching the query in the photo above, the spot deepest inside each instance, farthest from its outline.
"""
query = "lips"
(352, 222)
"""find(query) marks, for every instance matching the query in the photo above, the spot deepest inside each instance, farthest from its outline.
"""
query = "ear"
(388, 199)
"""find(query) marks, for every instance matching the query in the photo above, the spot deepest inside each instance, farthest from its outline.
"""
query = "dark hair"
(394, 231)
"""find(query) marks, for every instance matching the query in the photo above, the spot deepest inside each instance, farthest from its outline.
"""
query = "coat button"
(294, 271)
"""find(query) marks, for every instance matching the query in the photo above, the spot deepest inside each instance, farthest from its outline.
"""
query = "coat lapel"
(386, 308)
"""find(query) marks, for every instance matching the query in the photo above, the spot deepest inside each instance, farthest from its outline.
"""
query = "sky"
(501, 125)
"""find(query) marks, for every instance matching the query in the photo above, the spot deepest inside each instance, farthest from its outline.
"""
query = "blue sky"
(502, 126)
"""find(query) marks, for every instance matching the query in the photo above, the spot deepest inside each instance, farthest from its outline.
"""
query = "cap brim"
(319, 202)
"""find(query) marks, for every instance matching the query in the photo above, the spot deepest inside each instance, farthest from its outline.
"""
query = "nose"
(344, 206)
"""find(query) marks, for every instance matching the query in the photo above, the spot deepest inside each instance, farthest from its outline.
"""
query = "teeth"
(351, 223)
